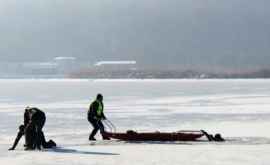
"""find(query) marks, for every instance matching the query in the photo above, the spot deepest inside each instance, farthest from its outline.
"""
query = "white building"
(65, 64)
(116, 65)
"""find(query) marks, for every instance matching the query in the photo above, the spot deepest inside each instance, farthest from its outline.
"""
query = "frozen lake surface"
(238, 109)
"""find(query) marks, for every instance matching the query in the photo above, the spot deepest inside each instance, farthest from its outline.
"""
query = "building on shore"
(115, 65)
(65, 65)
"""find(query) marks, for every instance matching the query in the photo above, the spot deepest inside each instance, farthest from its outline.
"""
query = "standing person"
(95, 115)
(33, 130)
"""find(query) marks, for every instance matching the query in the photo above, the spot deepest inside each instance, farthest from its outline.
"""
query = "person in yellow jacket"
(95, 116)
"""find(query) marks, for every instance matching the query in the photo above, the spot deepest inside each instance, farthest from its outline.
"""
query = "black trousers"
(33, 132)
(30, 135)
(97, 125)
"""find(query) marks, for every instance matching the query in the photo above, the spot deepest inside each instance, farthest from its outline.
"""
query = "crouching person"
(44, 143)
(33, 130)
(34, 120)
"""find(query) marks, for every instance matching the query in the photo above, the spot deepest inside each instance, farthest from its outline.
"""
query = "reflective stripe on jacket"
(100, 109)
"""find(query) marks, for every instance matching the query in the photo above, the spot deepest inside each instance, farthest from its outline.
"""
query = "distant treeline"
(165, 74)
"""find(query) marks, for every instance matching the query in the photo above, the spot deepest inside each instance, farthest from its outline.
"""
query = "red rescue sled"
(155, 136)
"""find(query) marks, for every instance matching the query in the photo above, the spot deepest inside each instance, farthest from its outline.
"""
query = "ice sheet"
(238, 109)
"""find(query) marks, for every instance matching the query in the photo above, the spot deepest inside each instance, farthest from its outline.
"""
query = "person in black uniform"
(34, 121)
(95, 115)
(49, 144)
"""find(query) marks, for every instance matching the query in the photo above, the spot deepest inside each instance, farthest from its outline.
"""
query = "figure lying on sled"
(184, 135)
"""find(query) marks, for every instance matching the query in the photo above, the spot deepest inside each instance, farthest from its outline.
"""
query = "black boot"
(92, 139)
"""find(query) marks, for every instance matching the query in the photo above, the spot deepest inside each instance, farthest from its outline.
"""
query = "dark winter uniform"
(28, 129)
(33, 131)
(49, 144)
(95, 115)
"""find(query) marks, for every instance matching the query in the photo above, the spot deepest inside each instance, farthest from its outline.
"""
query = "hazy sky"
(170, 32)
